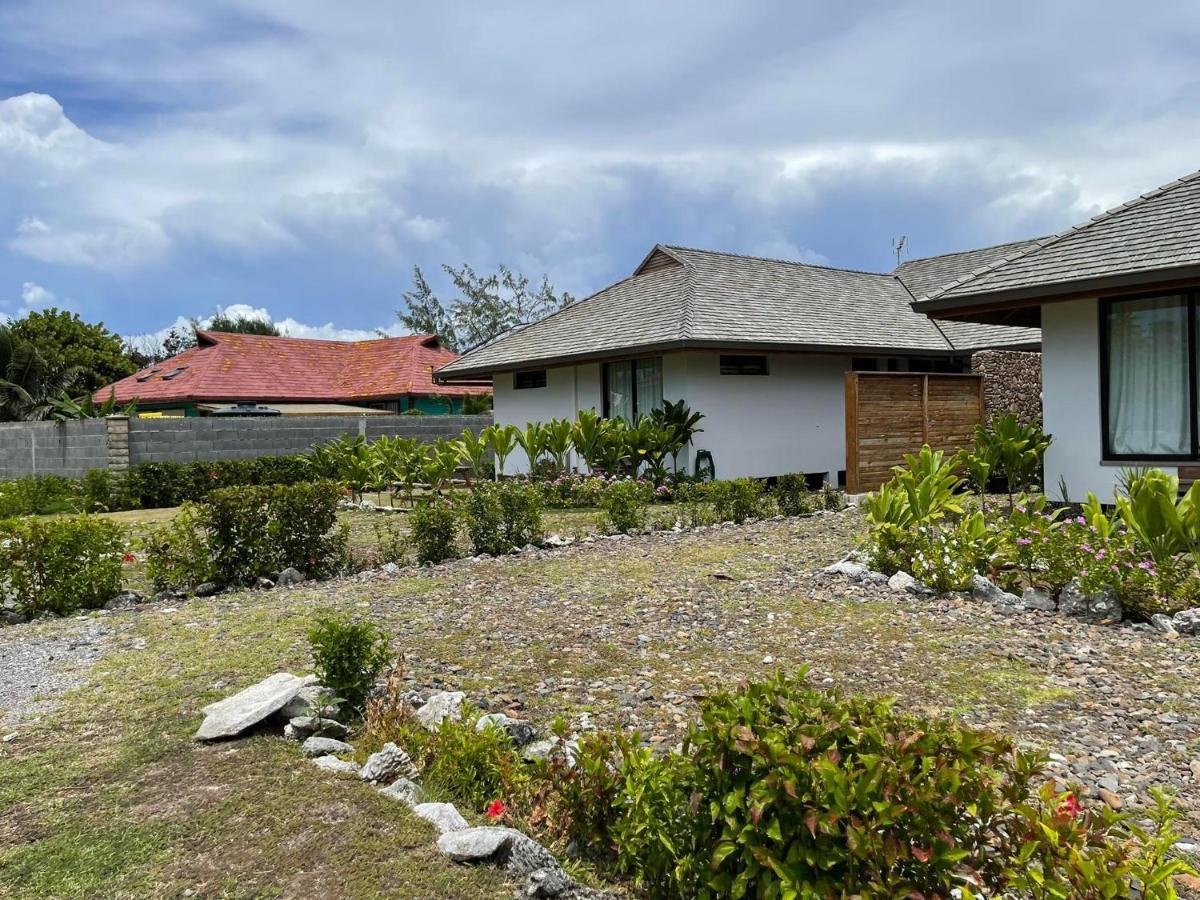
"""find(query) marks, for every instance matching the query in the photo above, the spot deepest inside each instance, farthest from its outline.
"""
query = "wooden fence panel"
(889, 414)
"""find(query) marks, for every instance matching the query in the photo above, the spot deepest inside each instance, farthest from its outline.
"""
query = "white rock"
(441, 706)
(388, 763)
(404, 790)
(902, 582)
(444, 816)
(335, 765)
(475, 844)
(1163, 624)
(245, 709)
(854, 570)
(323, 746)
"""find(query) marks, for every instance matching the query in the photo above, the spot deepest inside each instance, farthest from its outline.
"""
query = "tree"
(487, 305)
(242, 325)
(28, 384)
(65, 342)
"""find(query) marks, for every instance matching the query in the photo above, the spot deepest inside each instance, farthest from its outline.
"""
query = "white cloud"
(288, 326)
(33, 295)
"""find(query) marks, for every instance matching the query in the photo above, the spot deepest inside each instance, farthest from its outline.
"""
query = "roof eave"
(1056, 292)
(442, 377)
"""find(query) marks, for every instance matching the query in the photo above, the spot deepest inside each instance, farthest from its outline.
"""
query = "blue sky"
(161, 159)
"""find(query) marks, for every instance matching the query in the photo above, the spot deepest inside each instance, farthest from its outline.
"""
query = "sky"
(160, 160)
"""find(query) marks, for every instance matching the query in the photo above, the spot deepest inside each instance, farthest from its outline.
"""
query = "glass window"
(743, 365)
(1149, 380)
(632, 387)
(523, 381)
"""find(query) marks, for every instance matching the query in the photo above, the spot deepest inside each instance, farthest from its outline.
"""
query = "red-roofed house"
(296, 376)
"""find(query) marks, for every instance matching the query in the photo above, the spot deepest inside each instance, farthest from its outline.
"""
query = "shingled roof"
(1153, 238)
(680, 297)
(246, 367)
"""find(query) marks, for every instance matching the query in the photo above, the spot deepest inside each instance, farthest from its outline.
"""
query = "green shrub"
(434, 530)
(1006, 448)
(60, 565)
(737, 500)
(478, 766)
(348, 656)
(240, 534)
(831, 498)
(485, 520)
(35, 495)
(391, 543)
(177, 553)
(793, 496)
(501, 517)
(625, 504)
(98, 488)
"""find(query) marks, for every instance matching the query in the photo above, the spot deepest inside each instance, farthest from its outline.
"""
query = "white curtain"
(1148, 393)
(649, 384)
(620, 390)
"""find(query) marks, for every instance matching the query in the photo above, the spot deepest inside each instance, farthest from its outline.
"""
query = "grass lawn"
(107, 796)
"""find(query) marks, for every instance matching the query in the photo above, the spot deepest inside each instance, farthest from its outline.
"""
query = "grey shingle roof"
(683, 297)
(1159, 230)
(922, 276)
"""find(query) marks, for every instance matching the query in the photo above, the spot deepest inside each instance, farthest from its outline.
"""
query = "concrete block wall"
(188, 440)
(72, 448)
(51, 448)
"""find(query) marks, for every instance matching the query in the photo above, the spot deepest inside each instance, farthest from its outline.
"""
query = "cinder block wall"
(1012, 380)
(72, 448)
(49, 448)
(188, 440)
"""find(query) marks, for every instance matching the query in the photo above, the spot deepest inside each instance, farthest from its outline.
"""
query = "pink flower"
(1024, 541)
(1068, 806)
(1080, 520)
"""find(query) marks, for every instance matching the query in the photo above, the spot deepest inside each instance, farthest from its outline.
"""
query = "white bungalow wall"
(792, 420)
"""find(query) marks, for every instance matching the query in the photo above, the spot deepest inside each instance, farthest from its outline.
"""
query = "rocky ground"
(610, 632)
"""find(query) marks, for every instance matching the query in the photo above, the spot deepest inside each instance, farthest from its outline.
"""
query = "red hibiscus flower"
(496, 809)
(1068, 806)
(129, 557)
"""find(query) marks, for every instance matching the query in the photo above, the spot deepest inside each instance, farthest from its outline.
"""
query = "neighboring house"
(759, 346)
(1116, 299)
(295, 376)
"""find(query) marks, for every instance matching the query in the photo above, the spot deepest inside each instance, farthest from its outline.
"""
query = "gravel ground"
(41, 661)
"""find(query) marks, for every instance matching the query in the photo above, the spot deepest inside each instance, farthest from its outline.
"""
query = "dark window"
(632, 387)
(743, 365)
(864, 364)
(523, 381)
(920, 365)
(1148, 391)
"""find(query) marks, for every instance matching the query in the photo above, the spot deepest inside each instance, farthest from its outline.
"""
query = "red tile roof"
(255, 367)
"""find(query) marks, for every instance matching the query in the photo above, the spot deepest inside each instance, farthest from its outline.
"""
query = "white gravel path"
(40, 661)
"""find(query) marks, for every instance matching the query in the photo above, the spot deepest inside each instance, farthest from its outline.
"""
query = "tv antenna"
(898, 245)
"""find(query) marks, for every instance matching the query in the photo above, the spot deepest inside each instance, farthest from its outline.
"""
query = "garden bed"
(624, 632)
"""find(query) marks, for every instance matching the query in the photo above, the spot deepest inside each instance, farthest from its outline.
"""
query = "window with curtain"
(632, 387)
(1149, 379)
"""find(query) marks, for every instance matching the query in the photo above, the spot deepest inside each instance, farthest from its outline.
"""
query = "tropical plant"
(28, 383)
(64, 408)
(588, 434)
(533, 441)
(440, 463)
(501, 440)
(1012, 450)
(921, 492)
(1164, 524)
(557, 442)
(473, 449)
(679, 422)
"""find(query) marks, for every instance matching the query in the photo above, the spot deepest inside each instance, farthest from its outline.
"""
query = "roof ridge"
(917, 259)
(786, 262)
(1062, 235)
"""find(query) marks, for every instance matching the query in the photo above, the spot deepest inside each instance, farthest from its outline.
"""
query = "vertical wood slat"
(890, 414)
(852, 432)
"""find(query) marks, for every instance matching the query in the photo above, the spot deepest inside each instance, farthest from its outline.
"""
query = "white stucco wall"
(792, 420)
(1071, 402)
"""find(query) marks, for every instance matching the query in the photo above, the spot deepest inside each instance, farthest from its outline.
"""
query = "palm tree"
(28, 386)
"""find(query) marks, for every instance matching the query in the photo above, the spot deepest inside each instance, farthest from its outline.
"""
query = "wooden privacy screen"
(889, 414)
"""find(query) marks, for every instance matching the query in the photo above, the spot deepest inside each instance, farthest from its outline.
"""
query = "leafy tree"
(28, 384)
(486, 305)
(65, 342)
(242, 325)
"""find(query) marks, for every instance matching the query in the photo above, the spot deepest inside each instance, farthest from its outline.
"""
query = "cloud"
(293, 158)
(33, 295)
(288, 326)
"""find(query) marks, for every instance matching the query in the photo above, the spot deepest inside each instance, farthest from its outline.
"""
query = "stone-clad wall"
(72, 448)
(1012, 380)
